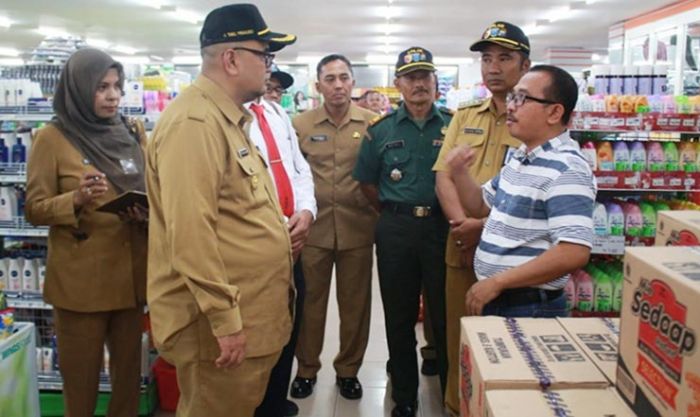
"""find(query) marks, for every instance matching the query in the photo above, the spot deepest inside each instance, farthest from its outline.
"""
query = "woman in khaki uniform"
(96, 266)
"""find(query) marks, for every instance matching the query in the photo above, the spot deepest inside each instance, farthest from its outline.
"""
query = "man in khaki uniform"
(220, 264)
(505, 52)
(342, 235)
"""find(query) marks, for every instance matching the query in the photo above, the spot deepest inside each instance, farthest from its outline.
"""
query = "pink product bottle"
(584, 291)
(656, 161)
(634, 221)
(570, 291)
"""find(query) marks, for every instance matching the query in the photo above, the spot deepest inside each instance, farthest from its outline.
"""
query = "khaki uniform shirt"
(218, 243)
(95, 261)
(480, 127)
(345, 217)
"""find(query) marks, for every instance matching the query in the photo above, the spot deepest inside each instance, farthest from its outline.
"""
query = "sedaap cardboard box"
(678, 228)
(598, 337)
(659, 366)
(501, 353)
(556, 403)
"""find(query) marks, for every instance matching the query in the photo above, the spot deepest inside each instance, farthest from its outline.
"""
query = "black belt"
(411, 210)
(522, 296)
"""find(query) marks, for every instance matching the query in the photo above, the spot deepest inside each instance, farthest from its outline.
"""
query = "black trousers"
(278, 386)
(411, 258)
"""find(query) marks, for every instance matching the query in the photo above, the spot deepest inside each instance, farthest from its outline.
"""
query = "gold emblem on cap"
(356, 135)
(396, 174)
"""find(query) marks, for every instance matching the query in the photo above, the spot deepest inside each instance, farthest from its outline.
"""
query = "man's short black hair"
(330, 58)
(562, 89)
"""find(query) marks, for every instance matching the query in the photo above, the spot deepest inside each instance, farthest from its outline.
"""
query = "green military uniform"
(481, 127)
(397, 155)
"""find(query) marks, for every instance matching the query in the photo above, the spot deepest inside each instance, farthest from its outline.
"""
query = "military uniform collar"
(402, 113)
(354, 113)
(234, 113)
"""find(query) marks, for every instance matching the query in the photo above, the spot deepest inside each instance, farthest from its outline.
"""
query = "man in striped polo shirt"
(539, 227)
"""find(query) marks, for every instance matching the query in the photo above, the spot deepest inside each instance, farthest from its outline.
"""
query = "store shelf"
(13, 173)
(52, 381)
(27, 303)
(29, 117)
(635, 122)
(648, 181)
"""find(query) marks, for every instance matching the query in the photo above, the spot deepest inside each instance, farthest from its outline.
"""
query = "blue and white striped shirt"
(538, 199)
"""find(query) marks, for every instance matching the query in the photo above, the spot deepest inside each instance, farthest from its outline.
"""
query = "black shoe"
(404, 411)
(302, 387)
(429, 367)
(290, 409)
(350, 388)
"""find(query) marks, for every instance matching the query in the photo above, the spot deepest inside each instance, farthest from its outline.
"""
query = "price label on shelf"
(634, 122)
(608, 245)
(658, 182)
(617, 122)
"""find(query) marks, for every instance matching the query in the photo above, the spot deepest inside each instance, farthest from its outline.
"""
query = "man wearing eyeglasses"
(505, 52)
(220, 258)
(272, 132)
(539, 227)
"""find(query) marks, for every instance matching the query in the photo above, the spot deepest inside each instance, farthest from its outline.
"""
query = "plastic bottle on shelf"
(584, 291)
(645, 80)
(14, 272)
(688, 157)
(19, 152)
(648, 219)
(633, 219)
(4, 152)
(8, 203)
(603, 292)
(616, 73)
(601, 74)
(570, 291)
(41, 274)
(656, 161)
(638, 156)
(671, 156)
(616, 219)
(661, 206)
(29, 281)
(629, 86)
(606, 161)
(590, 153)
(600, 220)
(4, 281)
(621, 156)
(659, 80)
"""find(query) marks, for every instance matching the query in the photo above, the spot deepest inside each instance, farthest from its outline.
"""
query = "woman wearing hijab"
(96, 265)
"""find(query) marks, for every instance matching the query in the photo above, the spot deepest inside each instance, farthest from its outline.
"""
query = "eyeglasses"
(278, 90)
(266, 56)
(519, 99)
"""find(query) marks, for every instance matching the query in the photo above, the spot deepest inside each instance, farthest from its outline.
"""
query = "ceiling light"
(131, 59)
(452, 61)
(156, 58)
(188, 16)
(187, 60)
(388, 12)
(97, 43)
(123, 49)
(308, 59)
(11, 61)
(388, 29)
(5, 22)
(533, 29)
(558, 13)
(9, 52)
(380, 59)
(53, 32)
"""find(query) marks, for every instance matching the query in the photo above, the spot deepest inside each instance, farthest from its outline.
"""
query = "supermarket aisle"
(376, 402)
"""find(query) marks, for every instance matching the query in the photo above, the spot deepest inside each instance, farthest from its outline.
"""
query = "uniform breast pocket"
(253, 185)
(396, 158)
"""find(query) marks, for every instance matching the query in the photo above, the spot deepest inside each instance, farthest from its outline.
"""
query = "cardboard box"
(659, 365)
(556, 403)
(500, 353)
(598, 337)
(678, 228)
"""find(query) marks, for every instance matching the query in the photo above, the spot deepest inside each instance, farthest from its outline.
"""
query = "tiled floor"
(376, 402)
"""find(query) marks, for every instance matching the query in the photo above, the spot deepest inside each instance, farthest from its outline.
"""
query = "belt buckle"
(421, 211)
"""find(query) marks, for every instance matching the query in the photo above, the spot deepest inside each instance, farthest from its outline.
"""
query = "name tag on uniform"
(395, 144)
(473, 131)
(319, 138)
(437, 143)
(509, 155)
(243, 152)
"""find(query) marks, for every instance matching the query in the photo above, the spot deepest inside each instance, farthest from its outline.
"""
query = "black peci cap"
(413, 59)
(503, 34)
(240, 22)
(285, 79)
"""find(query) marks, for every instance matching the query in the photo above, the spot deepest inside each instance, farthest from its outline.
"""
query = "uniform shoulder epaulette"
(471, 103)
(197, 112)
(378, 119)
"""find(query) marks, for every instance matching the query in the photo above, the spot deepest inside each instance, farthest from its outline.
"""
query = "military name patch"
(473, 131)
(395, 144)
(243, 152)
(319, 138)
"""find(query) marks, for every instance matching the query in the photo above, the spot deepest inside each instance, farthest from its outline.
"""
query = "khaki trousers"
(207, 391)
(353, 272)
(457, 283)
(81, 338)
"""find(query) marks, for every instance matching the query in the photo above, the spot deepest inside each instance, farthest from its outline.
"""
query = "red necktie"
(285, 194)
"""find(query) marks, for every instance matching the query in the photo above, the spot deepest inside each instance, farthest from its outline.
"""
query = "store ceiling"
(353, 27)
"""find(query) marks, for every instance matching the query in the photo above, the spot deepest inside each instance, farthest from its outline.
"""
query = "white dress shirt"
(288, 145)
